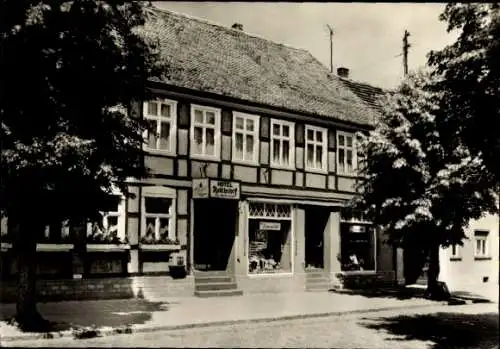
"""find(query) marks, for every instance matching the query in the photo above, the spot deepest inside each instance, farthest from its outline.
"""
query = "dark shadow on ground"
(67, 315)
(446, 329)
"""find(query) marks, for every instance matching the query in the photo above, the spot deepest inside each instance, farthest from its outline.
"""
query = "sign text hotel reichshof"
(205, 188)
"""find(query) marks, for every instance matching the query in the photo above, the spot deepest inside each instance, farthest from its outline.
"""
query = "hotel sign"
(205, 188)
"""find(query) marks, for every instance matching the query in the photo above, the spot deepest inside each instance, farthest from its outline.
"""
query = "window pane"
(478, 247)
(152, 108)
(341, 160)
(210, 118)
(165, 110)
(198, 140)
(286, 131)
(165, 135)
(152, 133)
(286, 155)
(239, 123)
(163, 227)
(210, 146)
(158, 205)
(319, 136)
(310, 155)
(150, 226)
(112, 223)
(276, 150)
(198, 116)
(310, 135)
(239, 146)
(341, 141)
(349, 141)
(319, 157)
(349, 160)
(276, 130)
(249, 150)
(250, 124)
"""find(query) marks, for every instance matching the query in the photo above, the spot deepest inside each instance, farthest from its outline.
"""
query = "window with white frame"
(205, 132)
(161, 115)
(316, 148)
(481, 243)
(245, 137)
(113, 220)
(346, 153)
(158, 220)
(282, 143)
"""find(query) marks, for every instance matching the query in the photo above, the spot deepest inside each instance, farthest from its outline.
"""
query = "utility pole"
(330, 30)
(406, 46)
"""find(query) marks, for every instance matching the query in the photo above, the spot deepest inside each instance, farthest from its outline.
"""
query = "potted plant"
(177, 267)
(106, 240)
(163, 243)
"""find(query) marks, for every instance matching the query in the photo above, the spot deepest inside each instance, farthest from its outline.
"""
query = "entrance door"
(214, 233)
(316, 219)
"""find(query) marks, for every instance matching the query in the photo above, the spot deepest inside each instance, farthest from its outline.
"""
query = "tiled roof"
(368, 93)
(212, 58)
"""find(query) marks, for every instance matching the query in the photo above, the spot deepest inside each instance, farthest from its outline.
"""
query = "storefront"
(270, 238)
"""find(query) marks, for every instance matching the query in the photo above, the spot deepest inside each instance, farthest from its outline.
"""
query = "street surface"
(465, 326)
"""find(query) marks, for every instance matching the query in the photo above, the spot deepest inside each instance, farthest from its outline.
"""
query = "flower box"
(5, 246)
(54, 247)
(107, 247)
(160, 247)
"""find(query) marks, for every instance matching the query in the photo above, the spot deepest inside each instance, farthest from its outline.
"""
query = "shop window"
(205, 132)
(245, 138)
(481, 243)
(282, 144)
(161, 118)
(269, 239)
(357, 247)
(316, 148)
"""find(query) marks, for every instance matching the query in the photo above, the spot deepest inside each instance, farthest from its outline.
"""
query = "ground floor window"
(269, 238)
(357, 246)
(158, 216)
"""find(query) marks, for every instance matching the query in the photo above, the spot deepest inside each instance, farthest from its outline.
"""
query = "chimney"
(237, 26)
(343, 72)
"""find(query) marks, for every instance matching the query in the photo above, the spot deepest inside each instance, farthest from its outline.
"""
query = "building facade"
(252, 152)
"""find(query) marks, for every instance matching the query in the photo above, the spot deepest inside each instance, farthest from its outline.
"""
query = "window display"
(357, 247)
(269, 235)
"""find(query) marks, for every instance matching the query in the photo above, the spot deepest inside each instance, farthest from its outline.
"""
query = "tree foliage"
(470, 81)
(70, 72)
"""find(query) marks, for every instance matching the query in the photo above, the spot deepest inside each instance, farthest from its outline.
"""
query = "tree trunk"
(27, 315)
(434, 291)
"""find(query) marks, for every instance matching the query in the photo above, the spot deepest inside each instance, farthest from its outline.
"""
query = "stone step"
(212, 279)
(216, 286)
(219, 293)
(315, 275)
(210, 273)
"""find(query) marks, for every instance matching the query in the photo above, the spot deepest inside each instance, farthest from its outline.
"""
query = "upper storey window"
(316, 149)
(245, 138)
(282, 144)
(346, 153)
(161, 117)
(205, 132)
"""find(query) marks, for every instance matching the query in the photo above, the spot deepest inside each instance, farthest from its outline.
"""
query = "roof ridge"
(222, 26)
(363, 83)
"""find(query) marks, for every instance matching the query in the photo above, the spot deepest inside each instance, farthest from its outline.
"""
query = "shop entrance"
(316, 220)
(214, 232)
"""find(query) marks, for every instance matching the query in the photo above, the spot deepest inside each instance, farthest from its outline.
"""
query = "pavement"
(440, 326)
(111, 317)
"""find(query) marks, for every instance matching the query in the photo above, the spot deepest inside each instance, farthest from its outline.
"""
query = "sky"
(367, 36)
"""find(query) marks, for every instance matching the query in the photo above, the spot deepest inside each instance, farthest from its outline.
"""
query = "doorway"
(214, 232)
(316, 220)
